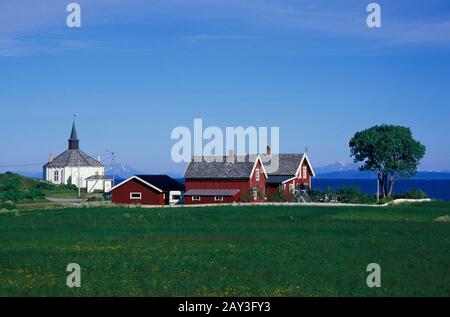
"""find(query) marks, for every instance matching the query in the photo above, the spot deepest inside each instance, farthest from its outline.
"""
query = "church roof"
(73, 134)
(73, 158)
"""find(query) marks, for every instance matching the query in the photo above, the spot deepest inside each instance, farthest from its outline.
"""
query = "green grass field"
(227, 251)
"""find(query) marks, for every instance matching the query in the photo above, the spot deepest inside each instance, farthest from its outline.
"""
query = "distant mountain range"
(336, 167)
(121, 170)
(124, 171)
(341, 170)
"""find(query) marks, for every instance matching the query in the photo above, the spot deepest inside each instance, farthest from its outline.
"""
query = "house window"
(176, 197)
(257, 174)
(218, 198)
(135, 195)
(195, 198)
(291, 188)
(305, 172)
(56, 176)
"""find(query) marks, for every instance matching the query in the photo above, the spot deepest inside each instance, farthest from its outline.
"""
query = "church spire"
(74, 143)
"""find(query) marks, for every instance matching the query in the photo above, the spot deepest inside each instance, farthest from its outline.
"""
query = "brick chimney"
(230, 157)
(50, 158)
(269, 150)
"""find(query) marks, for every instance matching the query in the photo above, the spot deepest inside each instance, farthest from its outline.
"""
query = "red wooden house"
(148, 190)
(292, 173)
(225, 180)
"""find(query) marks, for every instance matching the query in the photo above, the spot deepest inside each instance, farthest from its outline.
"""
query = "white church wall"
(55, 175)
(71, 174)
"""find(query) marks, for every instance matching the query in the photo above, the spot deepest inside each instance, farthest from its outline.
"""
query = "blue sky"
(137, 69)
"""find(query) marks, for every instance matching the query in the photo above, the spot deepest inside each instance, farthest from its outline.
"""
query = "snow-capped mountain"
(337, 167)
(342, 170)
(120, 170)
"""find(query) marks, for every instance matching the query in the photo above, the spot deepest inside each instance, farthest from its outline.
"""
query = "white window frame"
(56, 176)
(196, 198)
(255, 193)
(258, 172)
(136, 193)
(305, 172)
(218, 198)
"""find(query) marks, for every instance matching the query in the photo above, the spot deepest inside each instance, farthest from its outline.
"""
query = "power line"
(41, 164)
(22, 165)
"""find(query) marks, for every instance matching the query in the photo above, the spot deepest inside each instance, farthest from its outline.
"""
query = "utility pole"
(114, 168)
(113, 164)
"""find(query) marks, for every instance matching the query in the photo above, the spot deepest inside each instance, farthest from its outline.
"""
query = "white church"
(74, 167)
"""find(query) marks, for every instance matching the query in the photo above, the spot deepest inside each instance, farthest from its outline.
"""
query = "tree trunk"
(384, 185)
(391, 185)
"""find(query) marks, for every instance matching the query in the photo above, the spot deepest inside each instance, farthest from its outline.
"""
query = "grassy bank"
(233, 251)
(16, 190)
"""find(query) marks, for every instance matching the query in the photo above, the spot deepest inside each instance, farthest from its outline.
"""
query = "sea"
(435, 188)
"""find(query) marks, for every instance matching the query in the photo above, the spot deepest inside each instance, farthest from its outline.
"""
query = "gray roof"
(73, 158)
(288, 164)
(220, 168)
(278, 179)
(212, 192)
(102, 177)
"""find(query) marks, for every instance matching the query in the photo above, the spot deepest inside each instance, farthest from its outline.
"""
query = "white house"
(75, 167)
(99, 183)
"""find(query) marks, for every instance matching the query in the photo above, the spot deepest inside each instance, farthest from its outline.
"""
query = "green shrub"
(281, 196)
(353, 195)
(248, 196)
(7, 205)
(95, 198)
(415, 194)
(11, 194)
(70, 187)
(33, 194)
(45, 186)
(16, 188)
(385, 200)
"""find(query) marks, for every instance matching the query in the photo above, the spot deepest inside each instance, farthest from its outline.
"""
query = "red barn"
(225, 180)
(290, 172)
(148, 190)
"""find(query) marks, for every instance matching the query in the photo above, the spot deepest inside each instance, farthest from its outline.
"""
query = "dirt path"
(66, 201)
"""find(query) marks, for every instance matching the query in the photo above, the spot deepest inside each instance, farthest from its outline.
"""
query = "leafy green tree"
(389, 151)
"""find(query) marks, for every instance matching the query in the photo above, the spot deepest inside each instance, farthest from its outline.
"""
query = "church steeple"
(74, 143)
